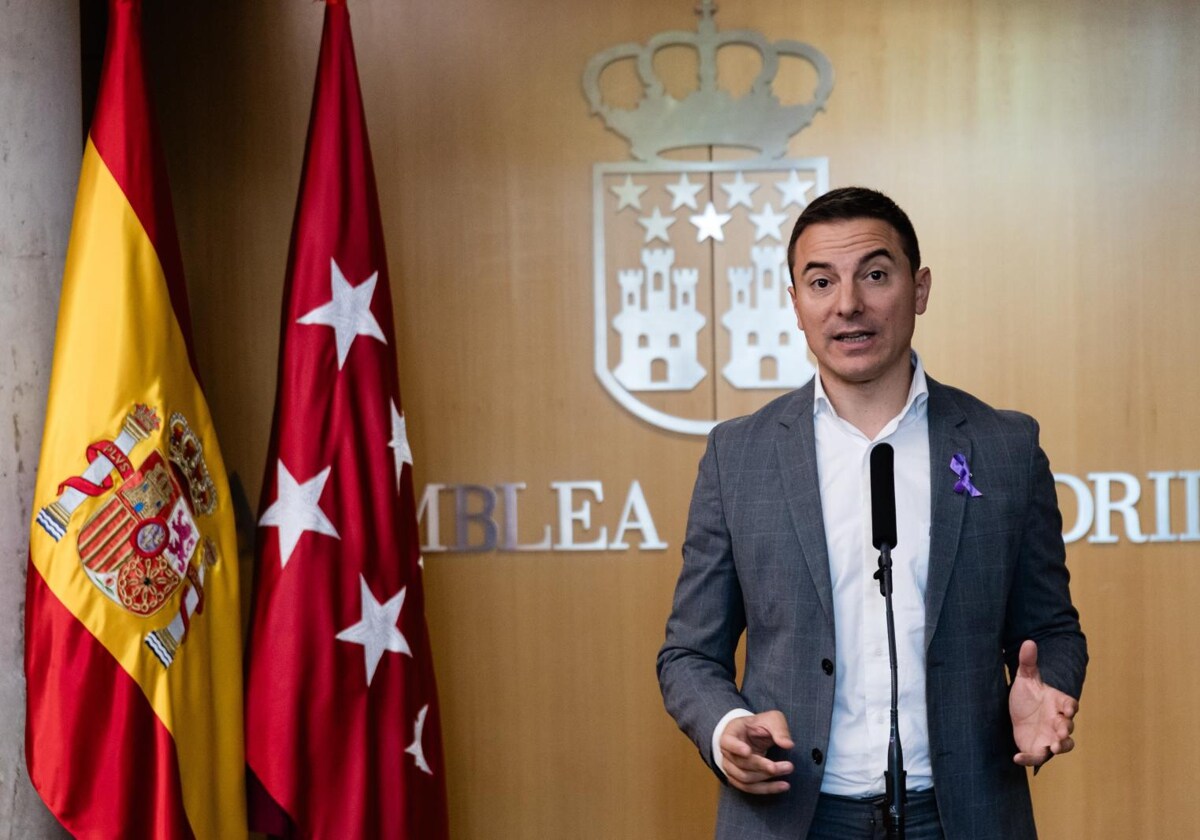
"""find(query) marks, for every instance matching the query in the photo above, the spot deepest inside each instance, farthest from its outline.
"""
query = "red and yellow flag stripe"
(134, 671)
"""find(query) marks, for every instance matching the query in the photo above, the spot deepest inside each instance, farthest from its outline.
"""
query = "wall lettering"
(487, 518)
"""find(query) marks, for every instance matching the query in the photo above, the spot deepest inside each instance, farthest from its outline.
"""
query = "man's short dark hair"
(848, 203)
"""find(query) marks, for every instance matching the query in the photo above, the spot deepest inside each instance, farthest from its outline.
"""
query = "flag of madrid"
(342, 726)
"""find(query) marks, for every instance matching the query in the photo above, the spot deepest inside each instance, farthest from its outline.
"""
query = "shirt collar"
(914, 406)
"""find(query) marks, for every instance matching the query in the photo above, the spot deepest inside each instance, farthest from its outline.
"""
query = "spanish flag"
(132, 636)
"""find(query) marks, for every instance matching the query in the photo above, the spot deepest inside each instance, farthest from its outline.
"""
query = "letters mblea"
(1109, 508)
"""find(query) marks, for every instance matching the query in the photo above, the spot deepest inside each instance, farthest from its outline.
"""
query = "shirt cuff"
(719, 730)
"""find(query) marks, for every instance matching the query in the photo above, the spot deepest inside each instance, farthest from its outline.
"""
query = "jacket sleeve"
(1039, 603)
(696, 669)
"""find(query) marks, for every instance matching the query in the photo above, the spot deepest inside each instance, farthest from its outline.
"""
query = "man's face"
(856, 298)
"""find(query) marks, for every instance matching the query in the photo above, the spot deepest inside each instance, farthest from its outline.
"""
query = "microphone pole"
(883, 529)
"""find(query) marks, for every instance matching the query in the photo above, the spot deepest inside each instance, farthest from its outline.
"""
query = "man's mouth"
(853, 336)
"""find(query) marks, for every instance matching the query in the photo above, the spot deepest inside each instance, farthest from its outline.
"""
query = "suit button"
(818, 756)
(827, 666)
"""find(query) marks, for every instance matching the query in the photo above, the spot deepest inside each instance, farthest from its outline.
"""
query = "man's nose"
(849, 299)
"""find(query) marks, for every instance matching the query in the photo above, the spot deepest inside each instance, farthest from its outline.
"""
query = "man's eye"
(877, 275)
(821, 283)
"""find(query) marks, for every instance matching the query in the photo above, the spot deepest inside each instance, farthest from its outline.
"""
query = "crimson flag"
(343, 736)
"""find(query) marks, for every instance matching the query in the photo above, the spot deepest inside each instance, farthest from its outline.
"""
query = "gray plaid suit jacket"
(755, 560)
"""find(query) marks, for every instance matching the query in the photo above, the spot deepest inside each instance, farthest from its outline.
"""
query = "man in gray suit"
(779, 546)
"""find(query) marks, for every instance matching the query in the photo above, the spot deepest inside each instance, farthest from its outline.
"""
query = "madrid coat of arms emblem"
(690, 263)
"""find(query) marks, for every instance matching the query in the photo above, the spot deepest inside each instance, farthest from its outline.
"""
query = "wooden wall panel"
(1046, 152)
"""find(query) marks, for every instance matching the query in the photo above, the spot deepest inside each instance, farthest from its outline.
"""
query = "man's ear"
(923, 280)
(795, 305)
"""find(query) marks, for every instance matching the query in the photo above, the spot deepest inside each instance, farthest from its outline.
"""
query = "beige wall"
(40, 147)
(1047, 154)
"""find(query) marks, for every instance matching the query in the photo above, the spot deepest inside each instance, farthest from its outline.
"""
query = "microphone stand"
(894, 777)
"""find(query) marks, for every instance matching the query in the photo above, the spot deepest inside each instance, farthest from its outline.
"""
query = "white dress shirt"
(857, 753)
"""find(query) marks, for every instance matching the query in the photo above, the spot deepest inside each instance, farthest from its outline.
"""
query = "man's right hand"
(744, 745)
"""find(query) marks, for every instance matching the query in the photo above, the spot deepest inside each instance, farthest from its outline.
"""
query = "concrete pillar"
(40, 151)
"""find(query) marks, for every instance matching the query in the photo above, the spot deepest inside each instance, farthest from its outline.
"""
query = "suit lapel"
(947, 437)
(797, 450)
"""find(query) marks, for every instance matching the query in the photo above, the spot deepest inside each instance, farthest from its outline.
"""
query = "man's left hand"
(1043, 717)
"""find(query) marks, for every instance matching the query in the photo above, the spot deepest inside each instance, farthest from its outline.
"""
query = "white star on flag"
(738, 191)
(684, 193)
(710, 224)
(767, 223)
(349, 312)
(296, 510)
(416, 749)
(401, 451)
(793, 190)
(376, 631)
(656, 225)
(628, 194)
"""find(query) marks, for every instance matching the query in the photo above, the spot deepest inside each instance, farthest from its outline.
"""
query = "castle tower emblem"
(658, 321)
(692, 315)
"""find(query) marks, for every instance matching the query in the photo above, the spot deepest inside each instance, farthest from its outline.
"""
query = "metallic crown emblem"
(709, 116)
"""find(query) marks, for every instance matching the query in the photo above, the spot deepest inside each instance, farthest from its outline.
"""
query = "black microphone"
(883, 496)
(883, 535)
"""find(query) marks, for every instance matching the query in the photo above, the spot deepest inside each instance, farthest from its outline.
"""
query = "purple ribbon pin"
(959, 464)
